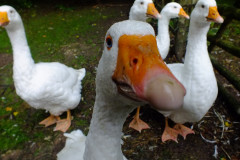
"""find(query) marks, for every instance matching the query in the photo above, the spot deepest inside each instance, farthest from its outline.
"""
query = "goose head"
(9, 18)
(132, 65)
(205, 12)
(142, 9)
(173, 10)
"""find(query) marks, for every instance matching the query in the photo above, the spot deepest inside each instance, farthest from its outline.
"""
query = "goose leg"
(137, 123)
(49, 121)
(64, 124)
(183, 130)
(169, 133)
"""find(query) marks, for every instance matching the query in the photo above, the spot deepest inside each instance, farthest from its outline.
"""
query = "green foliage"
(228, 2)
(18, 3)
(5, 43)
(60, 27)
(12, 134)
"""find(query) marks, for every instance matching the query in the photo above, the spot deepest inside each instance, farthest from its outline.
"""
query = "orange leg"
(137, 123)
(169, 133)
(64, 124)
(49, 121)
(183, 130)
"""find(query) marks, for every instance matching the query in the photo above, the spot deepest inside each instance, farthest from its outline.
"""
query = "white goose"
(196, 73)
(169, 11)
(142, 9)
(50, 86)
(130, 72)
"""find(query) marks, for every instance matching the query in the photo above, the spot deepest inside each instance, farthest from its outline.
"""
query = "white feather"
(50, 86)
(196, 74)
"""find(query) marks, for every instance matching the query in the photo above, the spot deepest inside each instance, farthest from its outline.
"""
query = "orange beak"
(3, 19)
(152, 12)
(142, 75)
(214, 16)
(183, 14)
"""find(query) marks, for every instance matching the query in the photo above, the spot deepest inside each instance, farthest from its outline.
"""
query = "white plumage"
(142, 9)
(74, 147)
(169, 11)
(111, 107)
(196, 74)
(50, 86)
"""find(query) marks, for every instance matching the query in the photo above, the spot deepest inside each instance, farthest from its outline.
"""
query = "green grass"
(47, 33)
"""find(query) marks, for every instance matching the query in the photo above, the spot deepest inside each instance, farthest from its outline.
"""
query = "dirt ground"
(210, 137)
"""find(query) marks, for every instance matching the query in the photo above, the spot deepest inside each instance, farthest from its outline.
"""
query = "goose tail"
(81, 73)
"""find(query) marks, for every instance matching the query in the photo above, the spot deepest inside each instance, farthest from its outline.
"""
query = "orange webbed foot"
(137, 123)
(49, 121)
(169, 133)
(64, 124)
(183, 130)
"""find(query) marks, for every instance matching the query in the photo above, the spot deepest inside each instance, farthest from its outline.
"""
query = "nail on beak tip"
(219, 19)
(165, 93)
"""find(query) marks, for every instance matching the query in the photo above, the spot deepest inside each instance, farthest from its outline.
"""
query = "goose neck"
(18, 39)
(104, 137)
(163, 26)
(198, 32)
(23, 61)
(197, 59)
(197, 39)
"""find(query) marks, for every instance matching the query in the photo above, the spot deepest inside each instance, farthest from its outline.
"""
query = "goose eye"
(142, 3)
(175, 6)
(109, 42)
(11, 11)
(203, 6)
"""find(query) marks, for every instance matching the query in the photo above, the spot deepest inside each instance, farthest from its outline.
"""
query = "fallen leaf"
(9, 109)
(15, 113)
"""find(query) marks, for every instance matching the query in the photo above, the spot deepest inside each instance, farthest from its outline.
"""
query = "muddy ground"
(137, 146)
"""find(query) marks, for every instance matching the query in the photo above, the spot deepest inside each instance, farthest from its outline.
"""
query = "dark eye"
(109, 42)
(11, 11)
(202, 6)
(175, 6)
(142, 3)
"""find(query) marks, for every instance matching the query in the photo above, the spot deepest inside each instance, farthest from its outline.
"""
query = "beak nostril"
(135, 61)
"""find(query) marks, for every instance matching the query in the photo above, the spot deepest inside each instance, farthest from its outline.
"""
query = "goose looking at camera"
(53, 87)
(196, 74)
(130, 73)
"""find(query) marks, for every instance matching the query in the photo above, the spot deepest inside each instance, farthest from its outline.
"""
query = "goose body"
(196, 74)
(53, 87)
(130, 51)
(169, 11)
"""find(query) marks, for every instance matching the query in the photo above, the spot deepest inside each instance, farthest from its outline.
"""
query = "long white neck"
(197, 62)
(163, 37)
(22, 58)
(197, 44)
(103, 139)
